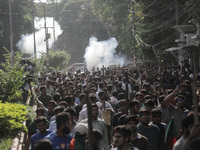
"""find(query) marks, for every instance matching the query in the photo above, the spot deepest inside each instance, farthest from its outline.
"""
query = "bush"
(5, 144)
(57, 59)
(11, 119)
(30, 115)
(11, 80)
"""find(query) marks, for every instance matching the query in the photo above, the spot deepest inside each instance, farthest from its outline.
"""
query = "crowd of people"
(131, 108)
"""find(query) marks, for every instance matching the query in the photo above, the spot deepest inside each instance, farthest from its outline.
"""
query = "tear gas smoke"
(99, 53)
(47, 1)
(26, 44)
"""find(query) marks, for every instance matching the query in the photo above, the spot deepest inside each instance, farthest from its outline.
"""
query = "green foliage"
(11, 79)
(11, 119)
(115, 17)
(5, 143)
(21, 20)
(57, 59)
(30, 115)
(192, 9)
(154, 21)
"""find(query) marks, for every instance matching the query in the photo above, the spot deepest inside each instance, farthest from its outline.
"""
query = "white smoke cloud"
(46, 1)
(26, 44)
(99, 53)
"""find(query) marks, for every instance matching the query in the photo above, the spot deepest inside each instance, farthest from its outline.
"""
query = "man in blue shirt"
(61, 137)
(42, 125)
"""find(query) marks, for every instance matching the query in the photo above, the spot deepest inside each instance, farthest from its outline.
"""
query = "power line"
(163, 26)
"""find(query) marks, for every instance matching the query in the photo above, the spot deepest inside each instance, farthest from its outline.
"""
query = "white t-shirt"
(83, 114)
(107, 105)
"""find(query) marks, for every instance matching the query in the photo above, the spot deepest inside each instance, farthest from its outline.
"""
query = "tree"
(11, 79)
(115, 17)
(22, 22)
(57, 59)
(191, 7)
(144, 27)
(78, 24)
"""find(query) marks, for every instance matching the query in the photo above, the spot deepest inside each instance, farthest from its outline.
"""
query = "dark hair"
(77, 91)
(56, 96)
(73, 97)
(133, 103)
(122, 129)
(156, 112)
(143, 111)
(52, 102)
(187, 121)
(42, 88)
(183, 84)
(97, 134)
(147, 97)
(129, 118)
(138, 94)
(92, 88)
(109, 87)
(40, 110)
(58, 109)
(143, 91)
(68, 99)
(92, 97)
(101, 85)
(180, 96)
(121, 96)
(82, 95)
(63, 103)
(70, 84)
(65, 89)
(71, 111)
(149, 102)
(115, 93)
(41, 119)
(122, 102)
(61, 118)
(101, 94)
(43, 144)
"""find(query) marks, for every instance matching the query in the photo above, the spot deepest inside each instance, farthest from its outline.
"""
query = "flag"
(170, 135)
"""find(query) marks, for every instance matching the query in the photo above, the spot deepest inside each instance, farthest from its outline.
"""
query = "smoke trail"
(26, 44)
(99, 53)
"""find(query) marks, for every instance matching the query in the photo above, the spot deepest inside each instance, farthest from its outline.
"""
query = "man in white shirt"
(83, 113)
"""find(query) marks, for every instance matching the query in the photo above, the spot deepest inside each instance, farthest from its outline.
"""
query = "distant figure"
(44, 97)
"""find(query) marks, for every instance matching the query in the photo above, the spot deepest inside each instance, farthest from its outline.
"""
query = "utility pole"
(134, 49)
(11, 34)
(54, 36)
(34, 41)
(46, 37)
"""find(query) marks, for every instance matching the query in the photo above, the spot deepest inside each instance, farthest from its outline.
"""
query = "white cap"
(81, 128)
